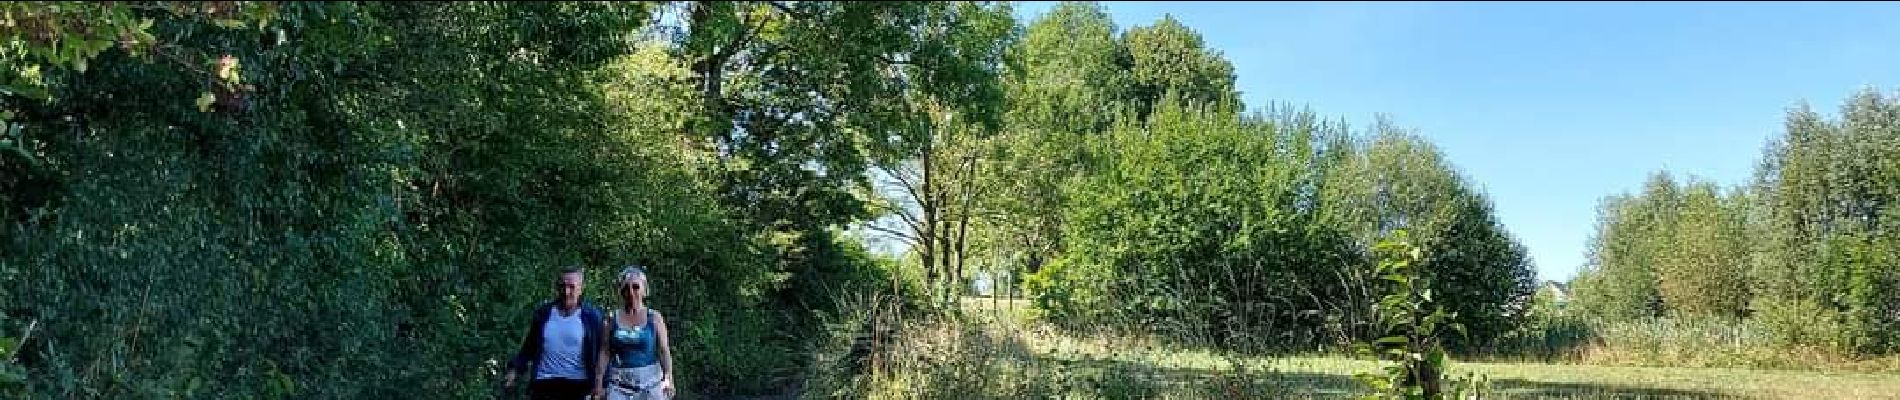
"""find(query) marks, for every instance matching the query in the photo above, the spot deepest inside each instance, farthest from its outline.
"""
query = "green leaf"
(1400, 279)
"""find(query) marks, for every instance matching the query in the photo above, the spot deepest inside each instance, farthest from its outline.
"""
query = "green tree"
(1829, 190)
(802, 99)
(1632, 232)
(1076, 77)
(1170, 59)
(1702, 268)
(1065, 86)
(1192, 229)
(1397, 180)
(1805, 247)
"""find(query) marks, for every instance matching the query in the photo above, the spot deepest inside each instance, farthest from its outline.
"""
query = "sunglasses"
(633, 286)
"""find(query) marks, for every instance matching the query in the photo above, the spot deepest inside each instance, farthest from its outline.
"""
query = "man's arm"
(522, 356)
(600, 368)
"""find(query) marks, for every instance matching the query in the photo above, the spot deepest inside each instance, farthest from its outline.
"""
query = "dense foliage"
(1137, 195)
(1808, 248)
(1255, 231)
(363, 199)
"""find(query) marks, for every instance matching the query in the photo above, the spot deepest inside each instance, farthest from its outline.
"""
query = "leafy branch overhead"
(42, 37)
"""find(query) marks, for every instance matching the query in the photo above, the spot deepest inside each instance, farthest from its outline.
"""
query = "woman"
(638, 354)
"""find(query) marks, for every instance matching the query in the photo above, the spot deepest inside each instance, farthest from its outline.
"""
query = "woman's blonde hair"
(632, 272)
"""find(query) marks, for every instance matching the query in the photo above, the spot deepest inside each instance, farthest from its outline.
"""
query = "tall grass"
(878, 350)
(1671, 342)
(993, 354)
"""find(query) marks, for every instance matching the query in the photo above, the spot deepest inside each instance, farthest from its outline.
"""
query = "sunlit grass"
(996, 350)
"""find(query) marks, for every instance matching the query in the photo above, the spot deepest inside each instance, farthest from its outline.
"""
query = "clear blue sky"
(1548, 107)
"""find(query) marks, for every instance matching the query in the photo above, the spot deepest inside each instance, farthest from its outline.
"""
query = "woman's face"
(634, 289)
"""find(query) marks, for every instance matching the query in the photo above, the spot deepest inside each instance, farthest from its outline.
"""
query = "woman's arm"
(666, 353)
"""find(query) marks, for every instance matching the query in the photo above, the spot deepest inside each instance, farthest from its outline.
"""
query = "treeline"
(1807, 249)
(1135, 193)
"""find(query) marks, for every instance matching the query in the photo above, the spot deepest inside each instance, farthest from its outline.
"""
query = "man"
(562, 345)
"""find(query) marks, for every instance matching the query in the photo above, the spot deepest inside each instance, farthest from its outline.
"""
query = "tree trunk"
(965, 184)
(932, 216)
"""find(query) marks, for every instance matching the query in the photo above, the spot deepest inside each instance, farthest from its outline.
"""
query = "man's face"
(569, 289)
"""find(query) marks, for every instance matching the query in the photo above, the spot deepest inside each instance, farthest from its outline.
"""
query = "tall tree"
(1632, 232)
(1170, 59)
(1078, 76)
(1831, 193)
(802, 99)
(803, 95)
(936, 181)
(1067, 85)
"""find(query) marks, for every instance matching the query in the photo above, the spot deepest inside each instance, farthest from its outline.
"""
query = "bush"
(1792, 323)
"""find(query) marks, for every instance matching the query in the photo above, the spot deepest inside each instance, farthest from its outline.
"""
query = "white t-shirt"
(561, 347)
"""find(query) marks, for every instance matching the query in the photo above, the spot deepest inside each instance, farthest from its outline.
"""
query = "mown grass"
(999, 352)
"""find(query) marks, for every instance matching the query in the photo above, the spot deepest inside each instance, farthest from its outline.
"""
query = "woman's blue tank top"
(636, 346)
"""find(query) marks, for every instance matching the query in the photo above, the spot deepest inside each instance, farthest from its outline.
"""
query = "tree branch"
(904, 215)
(745, 37)
(909, 186)
(906, 237)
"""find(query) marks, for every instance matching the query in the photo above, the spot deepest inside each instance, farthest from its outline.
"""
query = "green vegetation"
(999, 352)
(1803, 259)
(1412, 357)
(1251, 231)
(217, 199)
(377, 193)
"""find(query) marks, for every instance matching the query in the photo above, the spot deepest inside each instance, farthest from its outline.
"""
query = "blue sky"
(1548, 107)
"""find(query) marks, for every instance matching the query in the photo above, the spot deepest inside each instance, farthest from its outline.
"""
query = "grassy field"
(998, 353)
